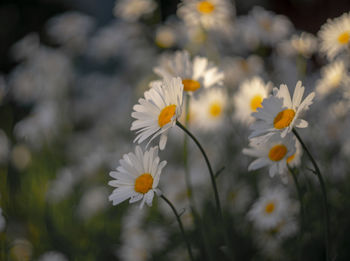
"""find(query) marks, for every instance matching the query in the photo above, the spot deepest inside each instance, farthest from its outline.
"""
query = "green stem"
(213, 181)
(302, 215)
(212, 176)
(324, 194)
(180, 225)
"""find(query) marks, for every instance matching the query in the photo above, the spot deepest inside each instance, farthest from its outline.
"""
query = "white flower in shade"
(209, 109)
(211, 14)
(280, 113)
(133, 10)
(158, 111)
(335, 35)
(272, 151)
(304, 44)
(239, 69)
(165, 36)
(52, 256)
(271, 209)
(249, 97)
(26, 47)
(194, 74)
(71, 29)
(333, 76)
(271, 28)
(137, 177)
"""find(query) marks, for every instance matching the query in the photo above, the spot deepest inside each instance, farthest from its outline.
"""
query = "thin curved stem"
(212, 176)
(180, 225)
(324, 193)
(213, 181)
(302, 215)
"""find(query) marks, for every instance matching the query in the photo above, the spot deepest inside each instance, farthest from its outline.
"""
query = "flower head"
(211, 14)
(281, 113)
(137, 177)
(335, 36)
(273, 151)
(194, 74)
(249, 97)
(158, 111)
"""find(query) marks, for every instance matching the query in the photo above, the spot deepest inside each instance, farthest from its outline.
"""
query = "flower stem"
(180, 225)
(212, 176)
(324, 194)
(213, 181)
(302, 215)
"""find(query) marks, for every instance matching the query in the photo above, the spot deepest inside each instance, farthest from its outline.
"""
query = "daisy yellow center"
(344, 38)
(144, 183)
(255, 102)
(290, 158)
(166, 114)
(277, 152)
(205, 7)
(270, 207)
(283, 119)
(215, 109)
(190, 85)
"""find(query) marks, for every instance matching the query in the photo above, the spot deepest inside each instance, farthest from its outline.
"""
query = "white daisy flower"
(137, 177)
(280, 113)
(272, 151)
(271, 209)
(211, 14)
(165, 36)
(249, 97)
(304, 44)
(158, 111)
(333, 76)
(194, 74)
(335, 35)
(133, 10)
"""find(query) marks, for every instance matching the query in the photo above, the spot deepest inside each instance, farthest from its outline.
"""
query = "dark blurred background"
(20, 17)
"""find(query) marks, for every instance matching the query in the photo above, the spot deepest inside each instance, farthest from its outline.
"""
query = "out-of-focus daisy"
(335, 35)
(71, 29)
(209, 109)
(26, 47)
(271, 209)
(333, 76)
(211, 14)
(295, 159)
(92, 201)
(158, 111)
(239, 69)
(194, 74)
(273, 152)
(52, 256)
(271, 28)
(133, 10)
(249, 97)
(137, 177)
(165, 37)
(280, 113)
(304, 44)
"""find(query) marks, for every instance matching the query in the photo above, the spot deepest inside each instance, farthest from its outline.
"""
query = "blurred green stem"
(180, 225)
(301, 66)
(324, 194)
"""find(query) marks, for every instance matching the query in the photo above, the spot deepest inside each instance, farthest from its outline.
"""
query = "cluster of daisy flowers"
(271, 140)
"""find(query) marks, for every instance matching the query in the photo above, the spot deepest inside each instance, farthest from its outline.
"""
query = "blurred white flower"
(133, 10)
(211, 14)
(335, 36)
(52, 256)
(249, 97)
(333, 76)
(26, 47)
(194, 74)
(71, 29)
(304, 44)
(21, 156)
(92, 201)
